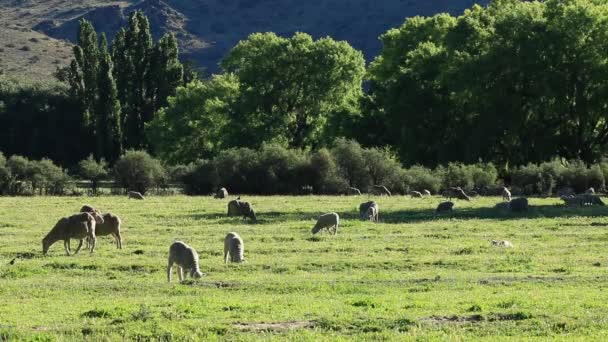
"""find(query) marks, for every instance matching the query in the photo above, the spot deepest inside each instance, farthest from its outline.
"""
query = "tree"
(290, 87)
(138, 171)
(166, 72)
(94, 171)
(108, 132)
(193, 125)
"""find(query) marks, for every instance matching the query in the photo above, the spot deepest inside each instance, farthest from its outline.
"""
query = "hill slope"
(207, 29)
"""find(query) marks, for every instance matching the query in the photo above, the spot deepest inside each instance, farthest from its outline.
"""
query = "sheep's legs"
(79, 246)
(169, 273)
(66, 244)
(118, 241)
(93, 242)
(180, 273)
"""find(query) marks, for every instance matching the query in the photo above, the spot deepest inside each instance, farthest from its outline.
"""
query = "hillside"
(207, 29)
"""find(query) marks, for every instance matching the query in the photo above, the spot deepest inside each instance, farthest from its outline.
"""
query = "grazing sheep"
(78, 226)
(110, 226)
(363, 208)
(416, 194)
(328, 221)
(241, 208)
(221, 193)
(426, 192)
(354, 191)
(590, 191)
(380, 190)
(372, 213)
(444, 207)
(503, 206)
(186, 258)
(456, 192)
(233, 246)
(502, 243)
(135, 195)
(519, 204)
(506, 194)
(571, 201)
(565, 191)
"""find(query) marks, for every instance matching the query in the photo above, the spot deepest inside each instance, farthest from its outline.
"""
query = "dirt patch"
(453, 319)
(277, 326)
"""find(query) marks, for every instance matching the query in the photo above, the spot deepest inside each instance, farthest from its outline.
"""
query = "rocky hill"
(207, 29)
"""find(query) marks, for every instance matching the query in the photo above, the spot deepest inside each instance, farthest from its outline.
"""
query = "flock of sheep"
(89, 223)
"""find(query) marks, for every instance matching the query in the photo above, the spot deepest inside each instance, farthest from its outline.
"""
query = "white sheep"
(502, 243)
(416, 194)
(233, 247)
(590, 191)
(372, 213)
(186, 258)
(506, 194)
(135, 195)
(426, 192)
(328, 221)
(78, 226)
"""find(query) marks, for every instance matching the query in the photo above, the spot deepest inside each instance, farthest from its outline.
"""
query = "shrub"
(349, 157)
(324, 173)
(237, 170)
(578, 176)
(201, 178)
(5, 180)
(94, 171)
(384, 169)
(277, 170)
(137, 170)
(419, 178)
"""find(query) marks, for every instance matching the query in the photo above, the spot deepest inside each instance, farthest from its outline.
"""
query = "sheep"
(363, 208)
(444, 207)
(425, 192)
(354, 191)
(221, 193)
(241, 208)
(380, 190)
(590, 191)
(186, 258)
(457, 192)
(110, 226)
(503, 206)
(502, 243)
(328, 221)
(416, 194)
(506, 194)
(78, 226)
(519, 204)
(233, 247)
(135, 195)
(372, 213)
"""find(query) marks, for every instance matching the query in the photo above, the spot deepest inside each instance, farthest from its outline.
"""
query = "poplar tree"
(108, 132)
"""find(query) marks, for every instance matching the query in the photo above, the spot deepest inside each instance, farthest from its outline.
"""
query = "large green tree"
(107, 132)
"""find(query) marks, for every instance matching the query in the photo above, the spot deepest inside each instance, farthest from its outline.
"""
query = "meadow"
(415, 275)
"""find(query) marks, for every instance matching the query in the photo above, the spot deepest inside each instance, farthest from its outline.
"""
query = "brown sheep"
(110, 226)
(78, 226)
(241, 208)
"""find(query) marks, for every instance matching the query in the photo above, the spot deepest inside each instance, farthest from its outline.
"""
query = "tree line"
(510, 83)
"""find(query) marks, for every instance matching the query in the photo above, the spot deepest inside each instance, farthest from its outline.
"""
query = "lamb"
(354, 191)
(426, 192)
(78, 226)
(110, 226)
(135, 195)
(241, 208)
(519, 204)
(502, 243)
(444, 207)
(233, 247)
(221, 193)
(381, 190)
(364, 207)
(506, 194)
(416, 194)
(372, 213)
(186, 258)
(328, 221)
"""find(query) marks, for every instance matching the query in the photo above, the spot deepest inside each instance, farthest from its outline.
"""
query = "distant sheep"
(328, 221)
(110, 226)
(425, 192)
(380, 190)
(444, 207)
(363, 207)
(590, 191)
(503, 206)
(457, 192)
(519, 204)
(185, 257)
(135, 195)
(221, 193)
(78, 226)
(416, 194)
(233, 247)
(372, 213)
(502, 243)
(354, 191)
(241, 208)
(506, 194)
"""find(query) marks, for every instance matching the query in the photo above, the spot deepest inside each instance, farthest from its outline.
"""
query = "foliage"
(138, 171)
(94, 171)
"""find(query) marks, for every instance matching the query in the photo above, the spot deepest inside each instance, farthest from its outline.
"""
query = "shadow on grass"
(418, 215)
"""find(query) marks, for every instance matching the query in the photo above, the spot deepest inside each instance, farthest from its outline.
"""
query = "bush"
(138, 171)
(277, 170)
(94, 171)
(200, 178)
(237, 170)
(578, 176)
(384, 169)
(419, 178)
(349, 157)
(324, 173)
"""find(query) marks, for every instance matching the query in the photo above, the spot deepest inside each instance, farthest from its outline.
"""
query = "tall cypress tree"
(123, 71)
(166, 71)
(108, 132)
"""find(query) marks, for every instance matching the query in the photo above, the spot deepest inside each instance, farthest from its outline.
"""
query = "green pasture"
(413, 276)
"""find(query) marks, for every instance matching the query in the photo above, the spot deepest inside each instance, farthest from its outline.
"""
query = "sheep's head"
(196, 274)
(46, 244)
(98, 218)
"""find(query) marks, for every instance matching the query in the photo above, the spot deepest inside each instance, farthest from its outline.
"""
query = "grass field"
(412, 276)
